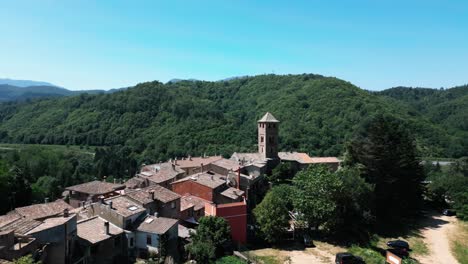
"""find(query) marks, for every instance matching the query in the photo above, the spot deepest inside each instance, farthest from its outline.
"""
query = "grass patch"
(63, 148)
(230, 260)
(417, 245)
(369, 255)
(459, 242)
(268, 260)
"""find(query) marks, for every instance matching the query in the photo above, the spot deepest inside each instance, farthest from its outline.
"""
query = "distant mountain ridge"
(10, 92)
(24, 83)
(159, 121)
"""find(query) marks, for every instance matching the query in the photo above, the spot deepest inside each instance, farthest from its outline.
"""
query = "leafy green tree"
(354, 203)
(272, 214)
(211, 234)
(450, 186)
(45, 187)
(25, 260)
(316, 196)
(5, 188)
(388, 154)
(282, 173)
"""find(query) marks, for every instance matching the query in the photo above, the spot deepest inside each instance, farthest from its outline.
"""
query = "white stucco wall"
(141, 241)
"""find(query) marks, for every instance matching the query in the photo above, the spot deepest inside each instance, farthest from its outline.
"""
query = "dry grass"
(459, 242)
(414, 239)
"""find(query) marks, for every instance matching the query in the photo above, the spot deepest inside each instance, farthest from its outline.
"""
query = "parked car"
(348, 258)
(400, 244)
(449, 212)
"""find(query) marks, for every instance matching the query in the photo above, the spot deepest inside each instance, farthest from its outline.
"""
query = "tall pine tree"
(387, 151)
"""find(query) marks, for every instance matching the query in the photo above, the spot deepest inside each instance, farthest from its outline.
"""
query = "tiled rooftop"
(191, 200)
(37, 211)
(161, 172)
(228, 164)
(8, 218)
(191, 162)
(96, 187)
(134, 182)
(144, 197)
(94, 231)
(233, 193)
(269, 118)
(306, 159)
(125, 206)
(157, 225)
(21, 226)
(209, 179)
(51, 223)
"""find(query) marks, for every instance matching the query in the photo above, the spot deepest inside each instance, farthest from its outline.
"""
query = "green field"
(65, 148)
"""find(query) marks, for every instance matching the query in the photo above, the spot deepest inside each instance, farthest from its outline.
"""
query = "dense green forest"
(156, 121)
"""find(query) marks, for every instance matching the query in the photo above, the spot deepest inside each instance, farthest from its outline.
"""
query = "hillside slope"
(160, 121)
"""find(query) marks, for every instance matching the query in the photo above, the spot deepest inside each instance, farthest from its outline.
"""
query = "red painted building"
(235, 214)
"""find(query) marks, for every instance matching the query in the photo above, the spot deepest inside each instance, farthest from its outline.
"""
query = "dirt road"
(436, 237)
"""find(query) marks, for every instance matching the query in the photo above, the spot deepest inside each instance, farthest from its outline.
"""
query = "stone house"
(91, 192)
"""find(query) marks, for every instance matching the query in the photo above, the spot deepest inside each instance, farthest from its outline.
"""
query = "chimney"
(175, 161)
(152, 194)
(65, 212)
(115, 180)
(106, 225)
(46, 200)
(156, 214)
(104, 178)
(110, 205)
(201, 169)
(238, 178)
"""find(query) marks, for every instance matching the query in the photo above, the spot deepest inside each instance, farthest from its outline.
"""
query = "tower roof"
(268, 117)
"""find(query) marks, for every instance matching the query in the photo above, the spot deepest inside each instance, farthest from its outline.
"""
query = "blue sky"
(375, 44)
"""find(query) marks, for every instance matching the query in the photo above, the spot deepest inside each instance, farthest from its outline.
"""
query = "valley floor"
(431, 243)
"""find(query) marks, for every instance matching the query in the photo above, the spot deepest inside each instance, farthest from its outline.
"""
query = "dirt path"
(322, 254)
(436, 237)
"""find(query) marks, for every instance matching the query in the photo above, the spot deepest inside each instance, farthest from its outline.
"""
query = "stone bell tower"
(268, 136)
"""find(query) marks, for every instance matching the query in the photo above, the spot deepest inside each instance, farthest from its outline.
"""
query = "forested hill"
(445, 107)
(158, 121)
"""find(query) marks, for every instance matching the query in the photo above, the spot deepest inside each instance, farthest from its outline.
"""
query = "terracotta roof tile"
(159, 173)
(306, 159)
(51, 223)
(233, 193)
(208, 179)
(124, 206)
(8, 218)
(93, 230)
(157, 225)
(191, 200)
(21, 226)
(96, 187)
(196, 161)
(143, 196)
(38, 211)
(228, 164)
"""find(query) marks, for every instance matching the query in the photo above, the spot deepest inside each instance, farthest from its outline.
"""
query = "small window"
(261, 139)
(172, 204)
(148, 239)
